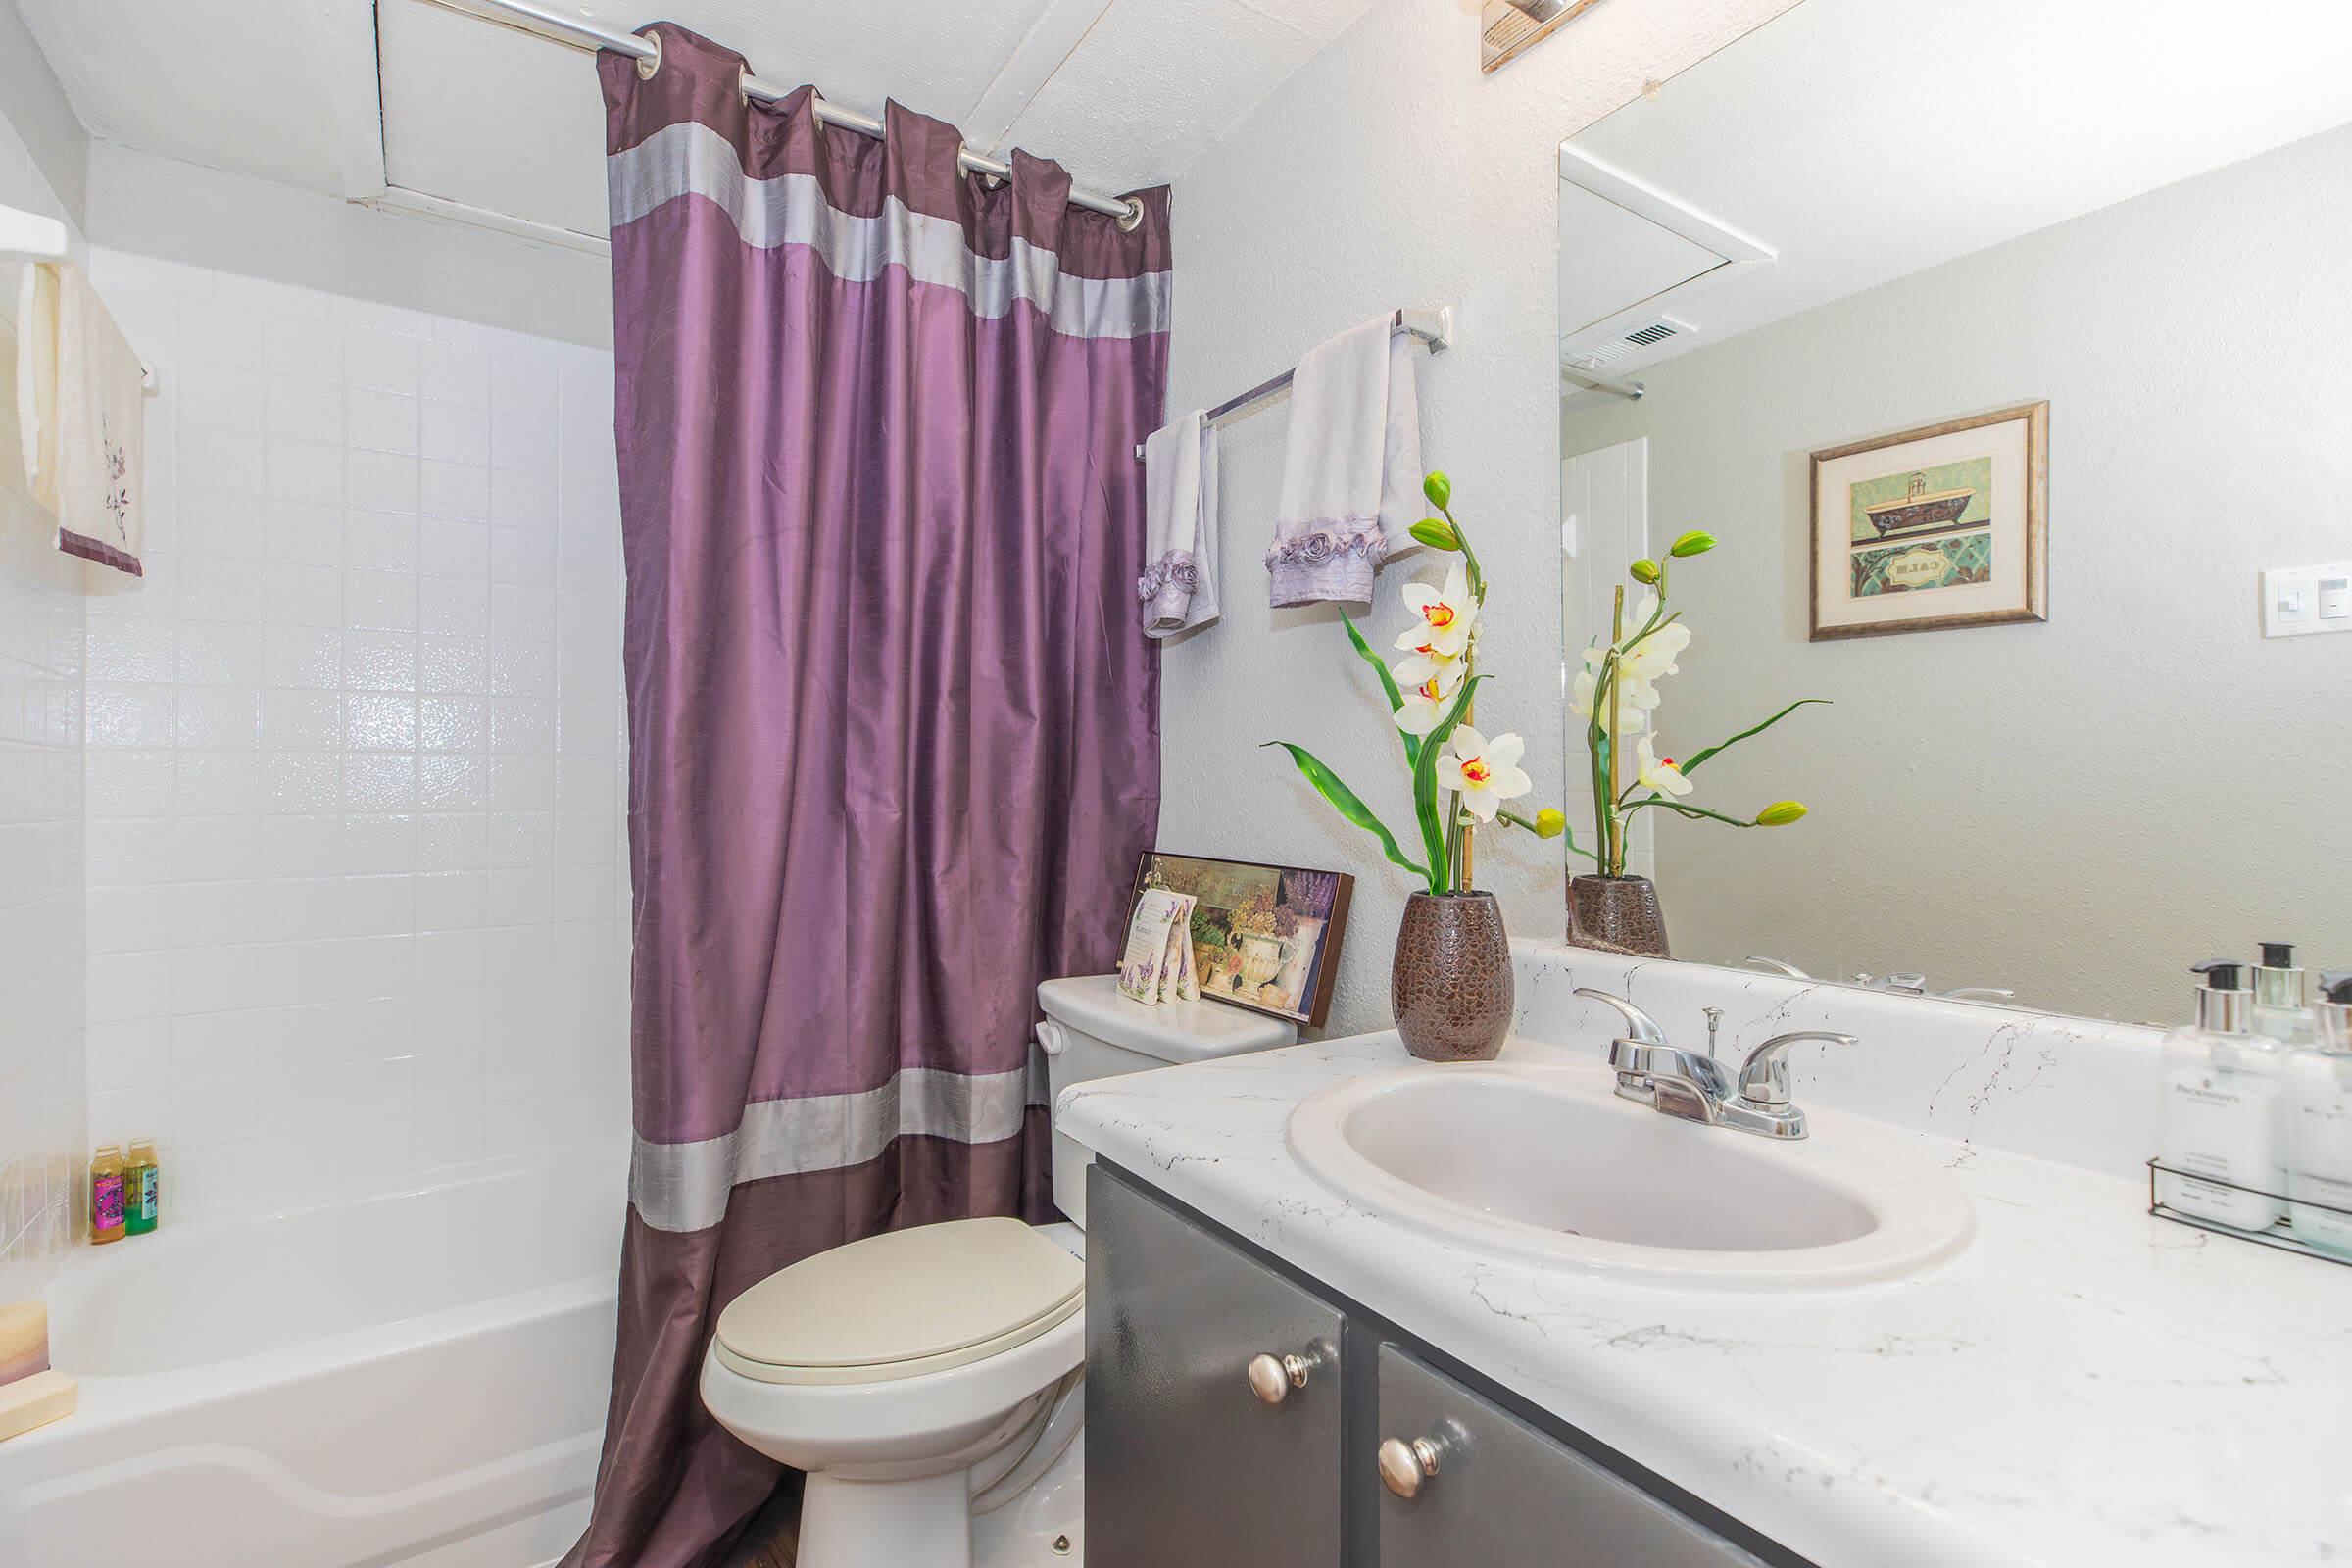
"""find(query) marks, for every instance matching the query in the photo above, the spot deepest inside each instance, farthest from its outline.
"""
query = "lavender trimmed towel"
(1179, 586)
(1352, 473)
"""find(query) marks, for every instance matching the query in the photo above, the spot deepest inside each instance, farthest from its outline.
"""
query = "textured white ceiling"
(1865, 142)
(478, 113)
(239, 85)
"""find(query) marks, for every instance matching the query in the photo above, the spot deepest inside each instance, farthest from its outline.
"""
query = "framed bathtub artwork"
(1264, 936)
(1934, 528)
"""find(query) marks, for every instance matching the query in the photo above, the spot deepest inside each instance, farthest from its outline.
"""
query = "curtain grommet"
(647, 64)
(1132, 219)
(743, 89)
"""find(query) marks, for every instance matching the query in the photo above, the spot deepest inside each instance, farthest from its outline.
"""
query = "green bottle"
(142, 1188)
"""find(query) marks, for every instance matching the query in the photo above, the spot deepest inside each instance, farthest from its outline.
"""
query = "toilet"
(931, 1381)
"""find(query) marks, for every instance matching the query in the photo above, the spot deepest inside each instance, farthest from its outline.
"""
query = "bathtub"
(412, 1376)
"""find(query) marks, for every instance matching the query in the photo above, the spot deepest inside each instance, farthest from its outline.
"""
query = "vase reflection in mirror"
(1617, 914)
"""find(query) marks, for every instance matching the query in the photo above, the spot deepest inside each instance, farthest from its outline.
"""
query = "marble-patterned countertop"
(2084, 1384)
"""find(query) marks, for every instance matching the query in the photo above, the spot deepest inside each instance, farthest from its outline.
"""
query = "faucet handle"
(1644, 1027)
(1764, 1076)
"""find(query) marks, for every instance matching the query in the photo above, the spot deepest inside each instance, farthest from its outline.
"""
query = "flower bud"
(1438, 488)
(1437, 533)
(1644, 571)
(1780, 814)
(1551, 822)
(1697, 542)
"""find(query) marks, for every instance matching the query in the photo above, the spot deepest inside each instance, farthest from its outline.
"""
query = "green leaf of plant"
(1345, 802)
(1679, 809)
(1691, 766)
(1425, 786)
(1387, 684)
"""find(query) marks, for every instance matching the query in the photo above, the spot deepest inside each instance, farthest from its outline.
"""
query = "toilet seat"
(901, 1304)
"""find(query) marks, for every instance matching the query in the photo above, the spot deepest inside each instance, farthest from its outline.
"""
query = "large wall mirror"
(2006, 350)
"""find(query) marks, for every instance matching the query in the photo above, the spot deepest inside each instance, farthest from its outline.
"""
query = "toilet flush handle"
(1273, 1377)
(1049, 1038)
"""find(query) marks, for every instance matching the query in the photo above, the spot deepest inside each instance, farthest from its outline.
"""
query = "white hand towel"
(1351, 471)
(83, 416)
(1178, 584)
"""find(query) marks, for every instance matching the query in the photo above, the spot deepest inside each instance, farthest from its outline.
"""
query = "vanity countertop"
(2083, 1383)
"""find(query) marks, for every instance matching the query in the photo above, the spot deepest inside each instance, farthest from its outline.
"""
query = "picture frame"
(1942, 526)
(1265, 937)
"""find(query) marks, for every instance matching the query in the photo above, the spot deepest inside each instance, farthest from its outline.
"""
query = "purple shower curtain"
(894, 729)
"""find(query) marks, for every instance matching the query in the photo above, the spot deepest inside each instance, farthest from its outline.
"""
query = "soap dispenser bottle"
(2222, 1111)
(2319, 1121)
(2281, 1007)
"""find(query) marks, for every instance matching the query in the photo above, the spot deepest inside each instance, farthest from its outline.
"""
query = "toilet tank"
(1091, 1031)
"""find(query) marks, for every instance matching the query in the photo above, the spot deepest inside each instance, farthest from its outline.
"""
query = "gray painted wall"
(2079, 809)
(1389, 171)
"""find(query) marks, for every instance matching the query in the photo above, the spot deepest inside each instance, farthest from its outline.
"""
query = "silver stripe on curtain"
(685, 1187)
(691, 158)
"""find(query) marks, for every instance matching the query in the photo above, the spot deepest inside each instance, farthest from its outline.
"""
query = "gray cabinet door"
(1505, 1495)
(1185, 1465)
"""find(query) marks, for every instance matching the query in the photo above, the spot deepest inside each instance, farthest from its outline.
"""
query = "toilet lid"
(902, 1304)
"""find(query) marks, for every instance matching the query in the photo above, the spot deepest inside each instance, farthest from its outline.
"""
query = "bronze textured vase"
(1617, 914)
(1450, 988)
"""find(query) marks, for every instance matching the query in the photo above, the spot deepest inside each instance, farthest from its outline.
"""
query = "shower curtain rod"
(546, 23)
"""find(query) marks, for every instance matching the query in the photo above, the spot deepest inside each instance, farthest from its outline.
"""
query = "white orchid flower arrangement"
(1461, 779)
(1618, 697)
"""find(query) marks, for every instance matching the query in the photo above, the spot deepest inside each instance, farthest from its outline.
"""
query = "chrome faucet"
(1695, 1087)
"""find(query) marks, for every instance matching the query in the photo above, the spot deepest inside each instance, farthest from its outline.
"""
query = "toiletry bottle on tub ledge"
(142, 1188)
(2222, 1111)
(2319, 1122)
(106, 1193)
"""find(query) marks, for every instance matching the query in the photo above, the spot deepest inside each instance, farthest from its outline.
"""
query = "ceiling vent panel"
(1641, 339)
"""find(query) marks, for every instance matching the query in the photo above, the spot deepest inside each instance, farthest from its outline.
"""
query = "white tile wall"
(41, 1093)
(357, 894)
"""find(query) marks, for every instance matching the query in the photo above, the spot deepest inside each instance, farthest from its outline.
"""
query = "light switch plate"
(2302, 601)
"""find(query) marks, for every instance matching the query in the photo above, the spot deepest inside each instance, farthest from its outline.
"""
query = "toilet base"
(1045, 1526)
(887, 1524)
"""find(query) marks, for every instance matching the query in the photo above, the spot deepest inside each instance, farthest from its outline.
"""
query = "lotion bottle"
(2222, 1111)
(2319, 1142)
(2282, 1009)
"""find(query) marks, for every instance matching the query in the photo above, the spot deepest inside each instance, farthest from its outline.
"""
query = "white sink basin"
(1546, 1164)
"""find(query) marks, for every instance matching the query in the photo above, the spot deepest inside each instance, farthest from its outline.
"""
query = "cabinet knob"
(1273, 1377)
(1406, 1467)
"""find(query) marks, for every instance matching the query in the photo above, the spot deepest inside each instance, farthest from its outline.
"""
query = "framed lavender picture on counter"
(1264, 936)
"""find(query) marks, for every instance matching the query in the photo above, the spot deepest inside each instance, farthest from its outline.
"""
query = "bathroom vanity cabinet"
(1242, 1415)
